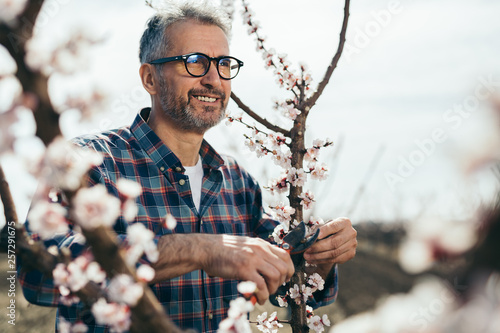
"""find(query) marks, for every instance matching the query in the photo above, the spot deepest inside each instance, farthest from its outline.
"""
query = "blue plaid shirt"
(231, 203)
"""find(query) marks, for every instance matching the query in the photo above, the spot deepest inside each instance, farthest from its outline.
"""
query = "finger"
(262, 293)
(333, 242)
(346, 256)
(333, 227)
(285, 262)
(271, 275)
(332, 255)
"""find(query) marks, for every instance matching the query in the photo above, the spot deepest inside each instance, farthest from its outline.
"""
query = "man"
(187, 70)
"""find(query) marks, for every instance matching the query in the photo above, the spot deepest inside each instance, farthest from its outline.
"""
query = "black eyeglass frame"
(184, 58)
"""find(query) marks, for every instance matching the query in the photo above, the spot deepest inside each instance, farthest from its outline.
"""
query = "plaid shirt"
(231, 203)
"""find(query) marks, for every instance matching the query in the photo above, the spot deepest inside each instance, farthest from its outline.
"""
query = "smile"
(205, 99)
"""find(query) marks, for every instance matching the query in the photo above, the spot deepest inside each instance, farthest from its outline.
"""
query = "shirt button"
(182, 182)
(162, 168)
(210, 315)
(178, 169)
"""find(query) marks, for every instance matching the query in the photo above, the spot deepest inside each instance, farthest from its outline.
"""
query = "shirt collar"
(161, 155)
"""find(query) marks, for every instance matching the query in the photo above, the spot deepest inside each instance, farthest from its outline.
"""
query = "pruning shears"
(296, 241)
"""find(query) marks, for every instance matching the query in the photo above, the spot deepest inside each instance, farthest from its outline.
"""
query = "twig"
(312, 100)
(14, 39)
(258, 118)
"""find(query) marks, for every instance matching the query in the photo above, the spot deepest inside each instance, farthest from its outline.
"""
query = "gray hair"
(155, 42)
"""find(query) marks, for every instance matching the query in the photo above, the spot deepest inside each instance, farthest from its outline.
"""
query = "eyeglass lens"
(198, 65)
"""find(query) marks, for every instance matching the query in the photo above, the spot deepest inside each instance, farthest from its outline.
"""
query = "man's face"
(194, 103)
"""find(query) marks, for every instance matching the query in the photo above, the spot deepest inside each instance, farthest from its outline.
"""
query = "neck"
(185, 145)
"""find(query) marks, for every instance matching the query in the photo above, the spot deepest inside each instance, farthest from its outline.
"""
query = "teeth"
(206, 99)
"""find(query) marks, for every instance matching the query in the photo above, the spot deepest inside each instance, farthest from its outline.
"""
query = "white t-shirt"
(195, 174)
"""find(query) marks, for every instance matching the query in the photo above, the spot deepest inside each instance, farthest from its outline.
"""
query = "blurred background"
(409, 109)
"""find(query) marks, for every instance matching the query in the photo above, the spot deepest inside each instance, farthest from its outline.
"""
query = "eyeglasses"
(198, 64)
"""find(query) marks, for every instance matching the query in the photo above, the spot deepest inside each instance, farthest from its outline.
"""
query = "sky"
(392, 107)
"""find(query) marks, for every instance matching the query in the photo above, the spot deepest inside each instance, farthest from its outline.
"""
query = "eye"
(195, 59)
(225, 62)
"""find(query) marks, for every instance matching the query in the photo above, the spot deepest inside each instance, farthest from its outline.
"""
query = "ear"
(148, 78)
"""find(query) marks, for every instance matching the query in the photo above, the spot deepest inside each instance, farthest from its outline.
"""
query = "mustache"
(212, 92)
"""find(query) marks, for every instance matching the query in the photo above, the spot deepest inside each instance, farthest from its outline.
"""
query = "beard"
(180, 111)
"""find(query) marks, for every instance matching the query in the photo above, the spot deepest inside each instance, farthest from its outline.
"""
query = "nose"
(212, 78)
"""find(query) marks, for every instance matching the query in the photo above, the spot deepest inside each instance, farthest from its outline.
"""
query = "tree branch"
(258, 118)
(312, 100)
(148, 315)
(9, 209)
(33, 82)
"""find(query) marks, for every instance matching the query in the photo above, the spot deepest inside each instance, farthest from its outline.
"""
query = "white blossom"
(65, 326)
(141, 240)
(75, 275)
(129, 210)
(251, 144)
(60, 276)
(170, 222)
(64, 165)
(276, 140)
(296, 177)
(145, 273)
(7, 134)
(319, 171)
(262, 318)
(65, 57)
(316, 281)
(282, 158)
(94, 207)
(11, 9)
(295, 293)
(279, 233)
(268, 325)
(68, 299)
(247, 287)
(306, 292)
(307, 199)
(283, 212)
(282, 301)
(123, 289)
(279, 185)
(392, 314)
(430, 236)
(48, 219)
(113, 314)
(325, 320)
(318, 143)
(311, 154)
(128, 188)
(77, 279)
(232, 325)
(95, 273)
(316, 324)
(239, 307)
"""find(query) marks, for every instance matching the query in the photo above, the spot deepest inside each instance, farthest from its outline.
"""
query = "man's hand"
(249, 259)
(225, 256)
(336, 244)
